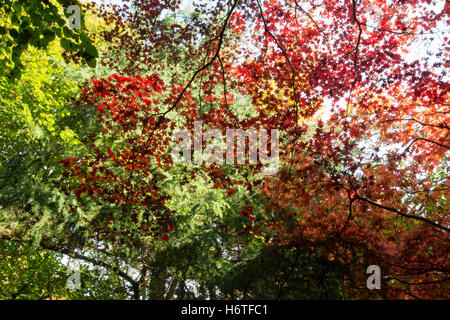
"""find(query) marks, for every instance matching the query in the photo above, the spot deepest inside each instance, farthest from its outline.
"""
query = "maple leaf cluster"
(366, 184)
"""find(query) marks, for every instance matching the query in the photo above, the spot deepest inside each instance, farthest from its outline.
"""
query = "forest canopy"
(314, 138)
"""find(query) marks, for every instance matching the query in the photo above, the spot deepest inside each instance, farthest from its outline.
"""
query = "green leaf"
(15, 19)
(67, 32)
(17, 6)
(91, 50)
(66, 44)
(92, 63)
(84, 39)
(16, 73)
(17, 52)
(49, 35)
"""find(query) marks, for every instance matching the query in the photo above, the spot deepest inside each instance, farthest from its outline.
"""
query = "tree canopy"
(356, 92)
